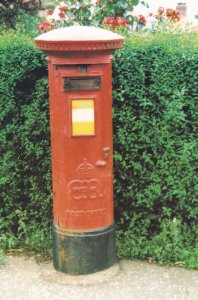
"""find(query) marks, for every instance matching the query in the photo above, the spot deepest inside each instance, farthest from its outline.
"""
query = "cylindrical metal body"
(81, 146)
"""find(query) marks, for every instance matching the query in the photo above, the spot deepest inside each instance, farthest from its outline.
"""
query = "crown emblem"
(85, 171)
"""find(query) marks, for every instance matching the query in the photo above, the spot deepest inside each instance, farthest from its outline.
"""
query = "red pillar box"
(79, 61)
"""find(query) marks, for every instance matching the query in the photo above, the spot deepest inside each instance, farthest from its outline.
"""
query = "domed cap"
(79, 38)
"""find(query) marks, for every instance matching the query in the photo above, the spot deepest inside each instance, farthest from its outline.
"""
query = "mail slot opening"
(82, 83)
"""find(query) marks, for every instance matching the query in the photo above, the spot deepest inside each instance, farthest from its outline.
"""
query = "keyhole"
(83, 68)
(106, 152)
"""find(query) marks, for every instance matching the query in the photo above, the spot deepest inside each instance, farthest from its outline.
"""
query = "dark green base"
(78, 253)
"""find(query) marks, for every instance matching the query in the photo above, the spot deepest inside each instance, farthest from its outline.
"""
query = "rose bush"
(109, 13)
(113, 15)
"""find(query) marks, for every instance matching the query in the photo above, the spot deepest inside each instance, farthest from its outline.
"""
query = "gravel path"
(24, 279)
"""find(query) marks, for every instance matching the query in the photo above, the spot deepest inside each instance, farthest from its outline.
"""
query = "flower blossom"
(141, 20)
(50, 12)
(172, 14)
(45, 26)
(116, 23)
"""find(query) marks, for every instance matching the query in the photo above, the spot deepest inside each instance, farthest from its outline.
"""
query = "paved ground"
(24, 279)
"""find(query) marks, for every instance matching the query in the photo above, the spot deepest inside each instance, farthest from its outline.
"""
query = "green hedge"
(155, 151)
(155, 131)
(25, 198)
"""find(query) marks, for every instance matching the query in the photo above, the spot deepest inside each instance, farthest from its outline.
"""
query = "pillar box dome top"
(79, 38)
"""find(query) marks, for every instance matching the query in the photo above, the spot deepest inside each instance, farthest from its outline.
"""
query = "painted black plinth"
(78, 253)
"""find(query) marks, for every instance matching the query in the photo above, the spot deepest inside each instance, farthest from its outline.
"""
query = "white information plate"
(83, 121)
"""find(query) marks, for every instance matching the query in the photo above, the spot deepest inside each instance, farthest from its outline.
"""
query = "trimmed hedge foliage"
(25, 198)
(155, 149)
(155, 131)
